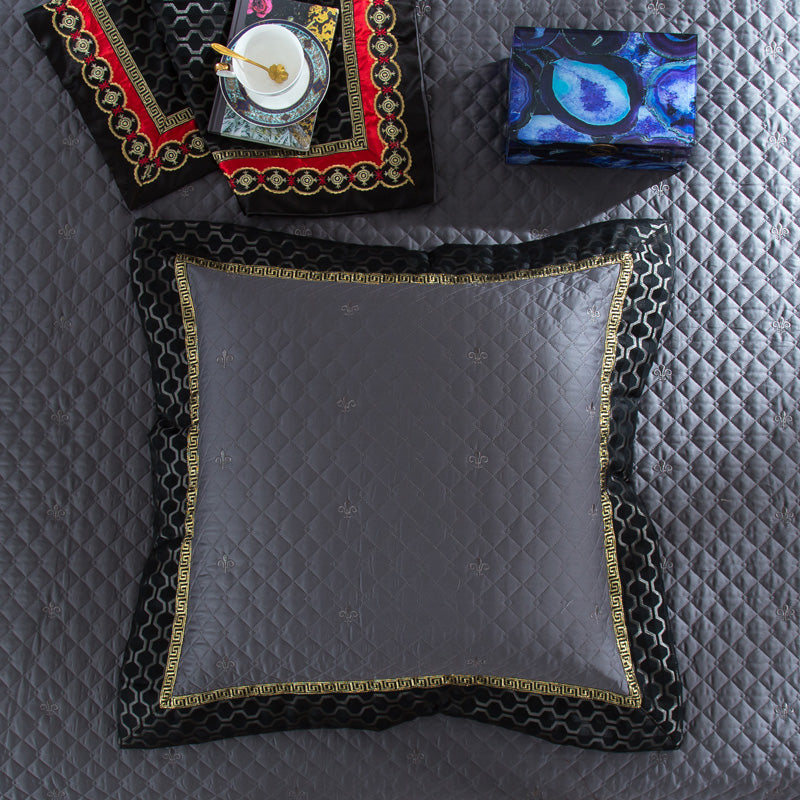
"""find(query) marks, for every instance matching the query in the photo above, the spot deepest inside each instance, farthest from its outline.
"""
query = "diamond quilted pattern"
(298, 418)
(717, 445)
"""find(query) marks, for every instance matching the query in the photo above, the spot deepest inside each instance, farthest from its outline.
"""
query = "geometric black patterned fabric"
(111, 59)
(142, 33)
(188, 26)
(586, 723)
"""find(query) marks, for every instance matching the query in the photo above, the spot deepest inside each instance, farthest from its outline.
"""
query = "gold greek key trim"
(632, 700)
(358, 138)
(428, 278)
(162, 122)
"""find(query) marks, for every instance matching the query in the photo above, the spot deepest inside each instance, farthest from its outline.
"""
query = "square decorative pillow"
(390, 484)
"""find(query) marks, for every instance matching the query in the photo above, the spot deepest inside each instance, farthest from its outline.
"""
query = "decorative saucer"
(294, 108)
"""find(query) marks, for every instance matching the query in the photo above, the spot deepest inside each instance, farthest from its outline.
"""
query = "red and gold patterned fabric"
(388, 150)
(145, 129)
(111, 58)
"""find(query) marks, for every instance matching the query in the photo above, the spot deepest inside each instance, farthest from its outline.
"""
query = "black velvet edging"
(657, 725)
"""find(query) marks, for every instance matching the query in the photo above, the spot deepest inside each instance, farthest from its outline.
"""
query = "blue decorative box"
(601, 98)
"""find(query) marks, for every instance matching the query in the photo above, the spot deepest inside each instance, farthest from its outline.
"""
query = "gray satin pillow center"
(397, 481)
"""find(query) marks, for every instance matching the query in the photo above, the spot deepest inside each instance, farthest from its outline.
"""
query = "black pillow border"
(658, 724)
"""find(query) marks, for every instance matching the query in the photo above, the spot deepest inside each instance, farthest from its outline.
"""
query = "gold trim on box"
(632, 700)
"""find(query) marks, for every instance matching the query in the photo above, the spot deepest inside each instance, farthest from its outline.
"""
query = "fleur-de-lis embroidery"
(776, 139)
(478, 567)
(591, 410)
(659, 758)
(171, 756)
(669, 564)
(56, 794)
(345, 404)
(302, 230)
(349, 309)
(423, 8)
(593, 312)
(662, 467)
(540, 233)
(225, 358)
(786, 613)
(655, 7)
(49, 709)
(783, 419)
(226, 664)
(660, 189)
(477, 356)
(226, 563)
(784, 711)
(297, 794)
(772, 49)
(595, 615)
(62, 323)
(347, 509)
(779, 231)
(59, 417)
(475, 662)
(222, 460)
(661, 373)
(186, 191)
(594, 511)
(780, 324)
(415, 757)
(67, 232)
(51, 610)
(784, 515)
(348, 614)
(478, 459)
(56, 512)
(70, 140)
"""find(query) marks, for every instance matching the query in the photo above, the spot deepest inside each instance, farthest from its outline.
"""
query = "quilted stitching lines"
(167, 697)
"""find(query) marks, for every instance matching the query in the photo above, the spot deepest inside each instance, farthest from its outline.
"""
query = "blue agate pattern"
(631, 93)
(592, 93)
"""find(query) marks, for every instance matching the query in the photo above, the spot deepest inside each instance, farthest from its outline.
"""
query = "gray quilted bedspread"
(718, 443)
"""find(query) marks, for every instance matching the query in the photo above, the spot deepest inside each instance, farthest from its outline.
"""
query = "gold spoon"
(277, 72)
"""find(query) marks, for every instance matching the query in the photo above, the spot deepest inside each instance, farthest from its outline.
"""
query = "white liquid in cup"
(269, 43)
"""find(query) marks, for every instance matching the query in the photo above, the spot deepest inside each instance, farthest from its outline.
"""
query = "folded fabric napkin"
(142, 76)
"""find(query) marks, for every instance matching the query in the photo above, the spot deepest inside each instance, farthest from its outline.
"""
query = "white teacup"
(271, 43)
